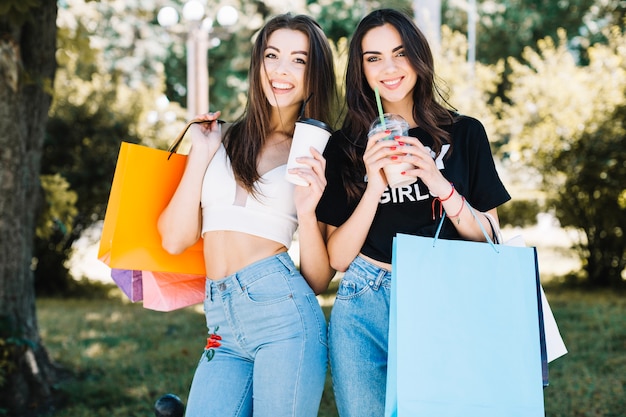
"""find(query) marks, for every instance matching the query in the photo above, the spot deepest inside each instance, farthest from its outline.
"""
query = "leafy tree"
(566, 122)
(27, 68)
(505, 28)
(594, 193)
(339, 18)
(92, 112)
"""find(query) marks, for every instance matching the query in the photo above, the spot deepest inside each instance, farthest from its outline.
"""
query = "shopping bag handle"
(489, 240)
(174, 147)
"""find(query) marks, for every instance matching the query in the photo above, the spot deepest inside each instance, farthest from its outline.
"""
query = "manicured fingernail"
(387, 131)
(400, 143)
(394, 157)
(393, 148)
(403, 173)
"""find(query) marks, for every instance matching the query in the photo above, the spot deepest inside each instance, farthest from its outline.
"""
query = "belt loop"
(379, 278)
(287, 262)
(240, 287)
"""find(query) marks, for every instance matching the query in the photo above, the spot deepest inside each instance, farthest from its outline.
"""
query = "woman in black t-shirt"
(454, 168)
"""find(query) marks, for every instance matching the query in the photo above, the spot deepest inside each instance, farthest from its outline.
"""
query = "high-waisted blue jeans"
(358, 338)
(273, 352)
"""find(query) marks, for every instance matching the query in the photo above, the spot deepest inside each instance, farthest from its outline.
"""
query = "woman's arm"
(464, 221)
(180, 222)
(314, 262)
(346, 241)
(454, 203)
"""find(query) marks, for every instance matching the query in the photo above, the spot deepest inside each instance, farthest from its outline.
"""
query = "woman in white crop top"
(266, 352)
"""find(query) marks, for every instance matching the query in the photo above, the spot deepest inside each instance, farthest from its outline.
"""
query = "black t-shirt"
(470, 167)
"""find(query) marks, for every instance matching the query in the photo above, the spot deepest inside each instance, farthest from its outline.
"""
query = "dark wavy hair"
(246, 137)
(361, 109)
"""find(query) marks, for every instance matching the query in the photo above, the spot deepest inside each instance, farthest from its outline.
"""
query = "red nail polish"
(403, 173)
(394, 157)
(393, 148)
(387, 131)
(400, 143)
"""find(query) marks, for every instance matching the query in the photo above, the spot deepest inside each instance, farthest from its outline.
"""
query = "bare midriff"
(226, 252)
(379, 264)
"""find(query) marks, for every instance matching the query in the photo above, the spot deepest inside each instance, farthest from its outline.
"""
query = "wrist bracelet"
(458, 214)
(441, 200)
(448, 197)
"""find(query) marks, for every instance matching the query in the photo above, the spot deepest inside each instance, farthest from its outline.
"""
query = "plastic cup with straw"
(398, 126)
(388, 121)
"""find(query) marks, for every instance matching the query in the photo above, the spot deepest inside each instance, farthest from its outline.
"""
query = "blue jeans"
(272, 357)
(358, 335)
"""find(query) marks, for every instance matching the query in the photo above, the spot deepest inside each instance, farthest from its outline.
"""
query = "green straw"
(380, 108)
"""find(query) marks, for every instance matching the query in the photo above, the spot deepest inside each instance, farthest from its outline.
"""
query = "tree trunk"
(27, 67)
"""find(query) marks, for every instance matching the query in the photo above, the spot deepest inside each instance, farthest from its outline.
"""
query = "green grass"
(590, 381)
(125, 357)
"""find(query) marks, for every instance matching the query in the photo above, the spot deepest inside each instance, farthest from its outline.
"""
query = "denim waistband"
(373, 273)
(252, 272)
(369, 267)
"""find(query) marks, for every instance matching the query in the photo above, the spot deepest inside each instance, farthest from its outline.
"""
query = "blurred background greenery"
(547, 78)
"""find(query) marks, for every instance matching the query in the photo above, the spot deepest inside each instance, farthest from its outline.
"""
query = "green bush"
(519, 213)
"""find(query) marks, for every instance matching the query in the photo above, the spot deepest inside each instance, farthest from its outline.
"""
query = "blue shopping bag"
(465, 338)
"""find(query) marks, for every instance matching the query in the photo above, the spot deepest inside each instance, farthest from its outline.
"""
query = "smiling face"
(284, 68)
(387, 68)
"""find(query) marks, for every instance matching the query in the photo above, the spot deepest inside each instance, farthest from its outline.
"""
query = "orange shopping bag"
(145, 180)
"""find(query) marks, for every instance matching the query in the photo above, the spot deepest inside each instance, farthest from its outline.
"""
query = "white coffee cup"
(398, 127)
(308, 133)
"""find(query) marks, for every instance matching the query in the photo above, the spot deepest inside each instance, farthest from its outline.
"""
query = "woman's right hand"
(208, 133)
(378, 153)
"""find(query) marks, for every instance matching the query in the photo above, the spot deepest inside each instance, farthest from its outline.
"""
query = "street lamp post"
(197, 61)
(471, 36)
(427, 14)
(197, 48)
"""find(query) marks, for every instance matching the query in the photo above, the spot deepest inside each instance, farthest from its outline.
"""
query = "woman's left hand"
(307, 197)
(425, 167)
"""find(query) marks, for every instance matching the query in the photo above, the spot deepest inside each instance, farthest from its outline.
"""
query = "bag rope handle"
(489, 240)
(174, 147)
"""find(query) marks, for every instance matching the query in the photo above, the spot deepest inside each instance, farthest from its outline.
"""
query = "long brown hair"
(246, 137)
(428, 112)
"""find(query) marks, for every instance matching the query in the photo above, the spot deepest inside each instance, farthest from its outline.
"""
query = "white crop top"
(271, 214)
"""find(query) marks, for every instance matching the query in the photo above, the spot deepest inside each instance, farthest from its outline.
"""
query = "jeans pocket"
(353, 285)
(269, 289)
